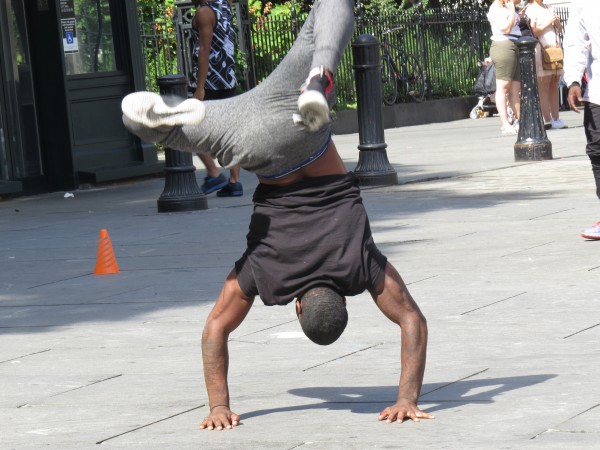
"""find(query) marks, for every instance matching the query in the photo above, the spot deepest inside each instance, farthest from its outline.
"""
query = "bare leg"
(501, 92)
(514, 98)
(554, 96)
(544, 91)
(234, 174)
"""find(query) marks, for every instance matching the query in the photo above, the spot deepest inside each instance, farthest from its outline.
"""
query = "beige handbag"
(552, 57)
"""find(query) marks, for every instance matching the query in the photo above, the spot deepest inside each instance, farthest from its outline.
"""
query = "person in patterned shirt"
(212, 77)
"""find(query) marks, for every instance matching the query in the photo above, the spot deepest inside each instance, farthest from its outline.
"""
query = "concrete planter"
(407, 114)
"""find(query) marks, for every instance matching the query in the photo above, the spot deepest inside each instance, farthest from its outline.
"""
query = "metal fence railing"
(159, 44)
(449, 43)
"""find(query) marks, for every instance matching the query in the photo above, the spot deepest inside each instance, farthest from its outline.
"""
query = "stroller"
(485, 88)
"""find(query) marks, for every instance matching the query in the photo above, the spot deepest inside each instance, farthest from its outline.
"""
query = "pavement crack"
(265, 329)
(550, 430)
(410, 241)
(422, 279)
(581, 331)
(24, 356)
(16, 327)
(93, 302)
(74, 389)
(151, 423)
(493, 303)
(552, 213)
(59, 281)
(579, 414)
(453, 382)
(528, 248)
(341, 357)
(297, 446)
(87, 385)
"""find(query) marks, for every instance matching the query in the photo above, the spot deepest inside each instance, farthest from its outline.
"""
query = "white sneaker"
(558, 124)
(150, 110)
(314, 110)
(312, 103)
(515, 125)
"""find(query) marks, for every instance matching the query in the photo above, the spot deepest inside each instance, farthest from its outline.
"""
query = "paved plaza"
(489, 248)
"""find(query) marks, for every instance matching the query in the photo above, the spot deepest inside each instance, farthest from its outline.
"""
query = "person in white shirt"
(545, 25)
(504, 21)
(581, 50)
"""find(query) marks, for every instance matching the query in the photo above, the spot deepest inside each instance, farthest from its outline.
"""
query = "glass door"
(19, 141)
(3, 151)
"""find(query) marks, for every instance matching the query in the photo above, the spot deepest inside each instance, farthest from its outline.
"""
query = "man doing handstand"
(309, 236)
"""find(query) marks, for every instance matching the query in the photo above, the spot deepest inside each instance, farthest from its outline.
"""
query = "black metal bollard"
(181, 191)
(532, 142)
(373, 168)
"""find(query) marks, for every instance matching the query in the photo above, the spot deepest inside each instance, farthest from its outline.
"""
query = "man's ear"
(298, 308)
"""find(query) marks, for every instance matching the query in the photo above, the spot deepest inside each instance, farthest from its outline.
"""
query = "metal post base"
(374, 169)
(537, 151)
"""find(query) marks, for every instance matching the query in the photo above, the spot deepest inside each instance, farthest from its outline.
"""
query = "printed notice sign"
(69, 34)
(68, 24)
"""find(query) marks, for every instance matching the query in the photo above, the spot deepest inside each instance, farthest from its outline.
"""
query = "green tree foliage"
(445, 49)
(385, 6)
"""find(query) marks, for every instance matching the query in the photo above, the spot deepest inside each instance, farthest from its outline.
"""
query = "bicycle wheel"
(389, 87)
(412, 82)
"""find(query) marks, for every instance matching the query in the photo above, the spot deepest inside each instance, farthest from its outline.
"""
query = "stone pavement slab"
(488, 247)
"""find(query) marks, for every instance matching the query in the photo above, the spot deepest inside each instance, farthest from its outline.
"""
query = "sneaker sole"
(233, 194)
(589, 236)
(314, 110)
(150, 110)
(214, 188)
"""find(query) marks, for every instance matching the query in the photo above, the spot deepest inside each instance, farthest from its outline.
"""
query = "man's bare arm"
(396, 303)
(227, 314)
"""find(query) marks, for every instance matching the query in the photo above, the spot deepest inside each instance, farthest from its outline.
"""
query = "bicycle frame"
(406, 76)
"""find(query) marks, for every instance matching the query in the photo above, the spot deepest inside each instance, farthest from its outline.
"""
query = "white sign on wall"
(68, 24)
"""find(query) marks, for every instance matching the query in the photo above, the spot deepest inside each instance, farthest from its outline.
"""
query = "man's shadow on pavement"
(371, 400)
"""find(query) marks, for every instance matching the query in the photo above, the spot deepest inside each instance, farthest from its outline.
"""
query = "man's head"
(322, 314)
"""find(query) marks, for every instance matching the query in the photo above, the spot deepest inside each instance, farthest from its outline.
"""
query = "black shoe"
(231, 190)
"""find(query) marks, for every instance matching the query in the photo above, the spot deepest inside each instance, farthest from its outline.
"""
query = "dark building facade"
(65, 65)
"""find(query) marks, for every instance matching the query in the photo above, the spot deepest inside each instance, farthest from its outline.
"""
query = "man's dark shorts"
(312, 233)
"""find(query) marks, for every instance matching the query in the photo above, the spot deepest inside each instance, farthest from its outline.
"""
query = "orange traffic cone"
(106, 263)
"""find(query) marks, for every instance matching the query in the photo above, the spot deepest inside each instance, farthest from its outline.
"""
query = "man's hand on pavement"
(401, 410)
(220, 417)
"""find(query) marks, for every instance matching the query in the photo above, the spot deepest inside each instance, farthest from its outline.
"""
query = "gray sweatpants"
(256, 129)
